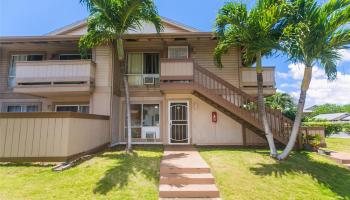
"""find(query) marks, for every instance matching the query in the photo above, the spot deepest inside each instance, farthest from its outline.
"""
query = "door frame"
(188, 122)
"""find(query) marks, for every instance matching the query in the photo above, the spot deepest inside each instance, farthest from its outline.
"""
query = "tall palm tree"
(314, 35)
(258, 32)
(108, 21)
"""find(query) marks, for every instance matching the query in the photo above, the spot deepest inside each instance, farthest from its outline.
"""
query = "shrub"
(330, 127)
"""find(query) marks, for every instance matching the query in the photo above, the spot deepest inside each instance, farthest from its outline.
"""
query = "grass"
(111, 175)
(338, 144)
(252, 174)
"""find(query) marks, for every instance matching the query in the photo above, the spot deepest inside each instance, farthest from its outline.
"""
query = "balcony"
(248, 82)
(176, 74)
(52, 77)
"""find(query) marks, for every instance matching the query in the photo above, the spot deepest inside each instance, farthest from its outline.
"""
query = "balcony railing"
(248, 77)
(54, 76)
(176, 70)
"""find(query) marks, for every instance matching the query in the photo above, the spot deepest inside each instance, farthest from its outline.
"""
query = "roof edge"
(83, 22)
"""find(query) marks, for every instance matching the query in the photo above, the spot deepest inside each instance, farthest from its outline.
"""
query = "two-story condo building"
(178, 95)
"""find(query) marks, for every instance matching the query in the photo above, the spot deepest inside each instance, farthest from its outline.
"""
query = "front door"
(178, 122)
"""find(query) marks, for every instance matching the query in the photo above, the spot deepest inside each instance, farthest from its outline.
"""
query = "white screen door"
(178, 122)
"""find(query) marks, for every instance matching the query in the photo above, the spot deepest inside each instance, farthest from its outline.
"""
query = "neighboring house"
(346, 119)
(309, 110)
(178, 95)
(334, 117)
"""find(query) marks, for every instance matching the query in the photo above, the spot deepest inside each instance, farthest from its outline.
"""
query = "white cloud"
(345, 55)
(321, 90)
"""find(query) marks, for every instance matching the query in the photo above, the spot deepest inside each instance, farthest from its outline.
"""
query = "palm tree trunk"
(120, 50)
(128, 116)
(295, 130)
(261, 106)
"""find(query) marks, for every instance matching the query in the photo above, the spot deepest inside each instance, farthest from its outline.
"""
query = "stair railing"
(246, 105)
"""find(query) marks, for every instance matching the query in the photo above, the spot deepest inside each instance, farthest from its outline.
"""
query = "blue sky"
(37, 17)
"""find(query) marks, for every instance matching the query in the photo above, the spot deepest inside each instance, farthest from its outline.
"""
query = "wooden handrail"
(242, 102)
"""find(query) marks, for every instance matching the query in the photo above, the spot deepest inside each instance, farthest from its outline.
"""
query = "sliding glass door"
(143, 69)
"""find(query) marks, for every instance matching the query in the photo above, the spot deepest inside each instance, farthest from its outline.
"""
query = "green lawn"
(338, 144)
(111, 175)
(252, 174)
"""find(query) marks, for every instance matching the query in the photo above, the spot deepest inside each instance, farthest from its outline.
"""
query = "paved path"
(184, 174)
(342, 158)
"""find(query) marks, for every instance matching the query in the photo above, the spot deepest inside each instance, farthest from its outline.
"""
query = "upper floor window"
(72, 57)
(178, 52)
(72, 108)
(17, 107)
(21, 57)
(143, 68)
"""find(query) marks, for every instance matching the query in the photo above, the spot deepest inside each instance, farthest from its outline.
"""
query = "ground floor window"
(72, 108)
(144, 121)
(22, 107)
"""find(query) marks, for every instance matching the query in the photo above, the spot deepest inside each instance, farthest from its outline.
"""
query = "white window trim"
(175, 47)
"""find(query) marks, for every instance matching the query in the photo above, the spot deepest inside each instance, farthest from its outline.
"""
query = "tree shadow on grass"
(126, 165)
(332, 176)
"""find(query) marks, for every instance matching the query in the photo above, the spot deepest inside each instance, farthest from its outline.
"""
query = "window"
(143, 68)
(72, 57)
(12, 68)
(72, 108)
(144, 121)
(178, 52)
(22, 108)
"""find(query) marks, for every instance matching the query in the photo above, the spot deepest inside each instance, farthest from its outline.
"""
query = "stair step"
(205, 178)
(188, 191)
(187, 170)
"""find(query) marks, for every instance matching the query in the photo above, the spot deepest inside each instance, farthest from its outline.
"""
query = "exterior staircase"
(184, 174)
(233, 102)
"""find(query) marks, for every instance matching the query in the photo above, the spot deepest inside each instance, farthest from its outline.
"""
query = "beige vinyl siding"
(3, 70)
(101, 97)
(203, 54)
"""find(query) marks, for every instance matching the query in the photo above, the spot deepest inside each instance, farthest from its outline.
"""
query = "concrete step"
(205, 178)
(184, 170)
(188, 191)
(341, 158)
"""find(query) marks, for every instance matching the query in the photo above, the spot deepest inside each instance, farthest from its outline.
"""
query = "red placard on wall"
(214, 117)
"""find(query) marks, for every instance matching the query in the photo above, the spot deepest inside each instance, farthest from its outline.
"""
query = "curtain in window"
(180, 52)
(135, 68)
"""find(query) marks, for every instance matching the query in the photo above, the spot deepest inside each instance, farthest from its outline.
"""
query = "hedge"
(330, 128)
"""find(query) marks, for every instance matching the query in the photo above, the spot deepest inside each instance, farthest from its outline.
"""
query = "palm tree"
(258, 32)
(281, 101)
(314, 35)
(108, 21)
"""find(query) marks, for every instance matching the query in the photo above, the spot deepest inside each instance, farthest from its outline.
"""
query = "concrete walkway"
(184, 174)
(342, 158)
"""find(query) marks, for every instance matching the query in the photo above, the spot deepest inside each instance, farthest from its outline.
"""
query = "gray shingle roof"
(332, 116)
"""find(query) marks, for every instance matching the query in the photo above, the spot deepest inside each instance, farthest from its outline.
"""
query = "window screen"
(178, 52)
